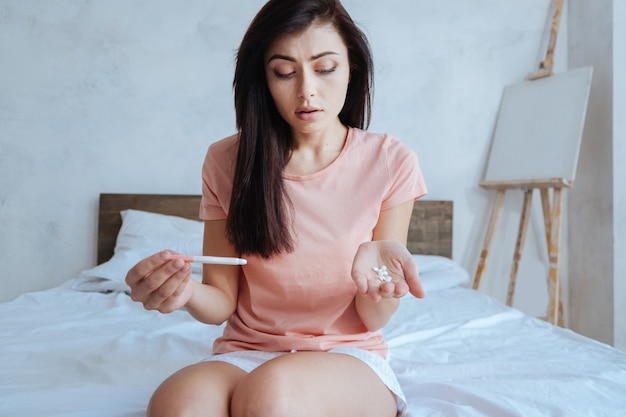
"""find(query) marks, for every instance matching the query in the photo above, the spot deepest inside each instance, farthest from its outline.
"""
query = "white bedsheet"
(457, 353)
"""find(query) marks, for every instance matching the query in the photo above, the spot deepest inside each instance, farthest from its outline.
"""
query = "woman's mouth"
(308, 113)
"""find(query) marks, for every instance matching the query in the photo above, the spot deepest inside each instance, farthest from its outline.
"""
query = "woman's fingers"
(396, 288)
(159, 281)
(386, 289)
(167, 301)
(169, 288)
(146, 266)
(361, 281)
(412, 278)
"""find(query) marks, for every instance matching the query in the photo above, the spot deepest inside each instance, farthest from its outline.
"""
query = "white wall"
(597, 204)
(619, 166)
(126, 95)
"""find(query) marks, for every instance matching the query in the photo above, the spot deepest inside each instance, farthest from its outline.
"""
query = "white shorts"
(248, 360)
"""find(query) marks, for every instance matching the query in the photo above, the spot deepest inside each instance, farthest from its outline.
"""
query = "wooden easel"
(552, 215)
(552, 210)
(545, 66)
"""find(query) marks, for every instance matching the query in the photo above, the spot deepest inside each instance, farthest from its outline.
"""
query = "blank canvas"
(539, 128)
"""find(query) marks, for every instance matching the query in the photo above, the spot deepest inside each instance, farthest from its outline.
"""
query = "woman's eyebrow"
(288, 58)
(323, 54)
(278, 56)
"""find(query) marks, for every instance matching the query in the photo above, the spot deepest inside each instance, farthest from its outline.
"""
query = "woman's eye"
(327, 70)
(284, 75)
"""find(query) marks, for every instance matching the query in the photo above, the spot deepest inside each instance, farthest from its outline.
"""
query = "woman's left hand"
(402, 270)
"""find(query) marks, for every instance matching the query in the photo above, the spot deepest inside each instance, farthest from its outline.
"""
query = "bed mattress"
(456, 352)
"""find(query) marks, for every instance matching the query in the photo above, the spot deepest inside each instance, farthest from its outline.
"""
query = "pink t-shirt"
(304, 300)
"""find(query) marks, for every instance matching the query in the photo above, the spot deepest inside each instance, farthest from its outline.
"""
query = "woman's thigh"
(203, 389)
(313, 383)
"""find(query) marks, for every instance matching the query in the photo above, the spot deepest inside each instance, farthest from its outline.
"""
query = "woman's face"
(308, 74)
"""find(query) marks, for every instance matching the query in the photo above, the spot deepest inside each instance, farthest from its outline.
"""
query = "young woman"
(320, 209)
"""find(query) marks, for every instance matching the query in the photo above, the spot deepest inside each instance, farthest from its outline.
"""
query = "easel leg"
(519, 245)
(552, 215)
(493, 221)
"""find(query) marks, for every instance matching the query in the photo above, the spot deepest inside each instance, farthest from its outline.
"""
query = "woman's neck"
(313, 152)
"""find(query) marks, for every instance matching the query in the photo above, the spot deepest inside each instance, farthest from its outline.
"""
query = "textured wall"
(126, 95)
(619, 177)
(592, 202)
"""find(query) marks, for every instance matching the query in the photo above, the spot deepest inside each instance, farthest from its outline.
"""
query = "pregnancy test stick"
(211, 259)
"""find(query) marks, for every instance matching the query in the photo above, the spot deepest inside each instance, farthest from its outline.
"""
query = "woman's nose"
(306, 89)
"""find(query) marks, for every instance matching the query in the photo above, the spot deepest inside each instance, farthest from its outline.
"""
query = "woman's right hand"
(160, 282)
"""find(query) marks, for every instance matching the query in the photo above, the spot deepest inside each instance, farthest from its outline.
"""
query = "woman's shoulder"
(377, 142)
(222, 155)
(383, 147)
(225, 146)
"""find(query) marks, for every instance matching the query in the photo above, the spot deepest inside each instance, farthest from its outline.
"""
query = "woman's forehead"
(312, 41)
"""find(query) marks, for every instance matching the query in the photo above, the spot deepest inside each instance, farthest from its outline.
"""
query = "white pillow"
(142, 234)
(439, 273)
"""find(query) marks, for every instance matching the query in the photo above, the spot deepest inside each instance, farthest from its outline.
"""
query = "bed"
(85, 349)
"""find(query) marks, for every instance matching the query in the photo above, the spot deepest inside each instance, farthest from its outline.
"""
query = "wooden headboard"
(430, 231)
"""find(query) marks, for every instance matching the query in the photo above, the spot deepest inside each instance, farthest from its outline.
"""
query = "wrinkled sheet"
(457, 353)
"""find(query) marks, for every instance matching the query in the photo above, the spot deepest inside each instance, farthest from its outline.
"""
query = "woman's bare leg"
(313, 384)
(203, 389)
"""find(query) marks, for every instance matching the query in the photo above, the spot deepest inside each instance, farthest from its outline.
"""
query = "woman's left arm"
(377, 299)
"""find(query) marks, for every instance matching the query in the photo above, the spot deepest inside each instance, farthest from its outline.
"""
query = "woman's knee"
(265, 405)
(312, 384)
(198, 390)
(163, 403)
(268, 392)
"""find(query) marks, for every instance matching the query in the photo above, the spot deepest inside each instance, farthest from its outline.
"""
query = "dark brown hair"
(259, 220)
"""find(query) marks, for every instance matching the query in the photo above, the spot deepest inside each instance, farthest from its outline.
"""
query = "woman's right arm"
(165, 284)
(215, 300)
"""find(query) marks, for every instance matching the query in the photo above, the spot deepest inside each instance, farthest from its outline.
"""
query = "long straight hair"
(260, 218)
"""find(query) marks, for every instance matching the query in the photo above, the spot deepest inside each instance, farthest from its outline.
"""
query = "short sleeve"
(406, 181)
(217, 179)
